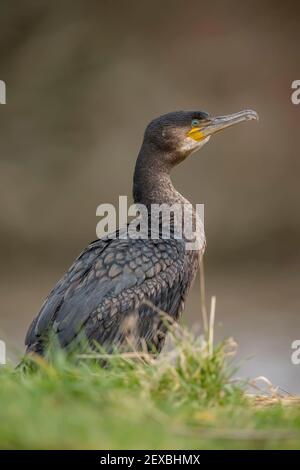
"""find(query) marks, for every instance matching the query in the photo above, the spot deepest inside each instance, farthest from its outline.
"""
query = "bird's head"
(181, 133)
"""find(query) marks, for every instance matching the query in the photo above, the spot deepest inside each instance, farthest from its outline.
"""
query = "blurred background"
(83, 79)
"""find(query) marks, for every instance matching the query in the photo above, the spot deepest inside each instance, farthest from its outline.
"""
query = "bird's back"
(114, 295)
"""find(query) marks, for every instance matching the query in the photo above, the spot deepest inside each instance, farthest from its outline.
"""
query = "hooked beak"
(215, 124)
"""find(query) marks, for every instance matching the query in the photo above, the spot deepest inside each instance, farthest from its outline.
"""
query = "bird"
(114, 293)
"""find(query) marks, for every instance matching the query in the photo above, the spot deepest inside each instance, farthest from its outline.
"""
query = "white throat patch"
(191, 145)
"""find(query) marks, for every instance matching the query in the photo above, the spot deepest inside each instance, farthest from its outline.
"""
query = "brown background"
(83, 79)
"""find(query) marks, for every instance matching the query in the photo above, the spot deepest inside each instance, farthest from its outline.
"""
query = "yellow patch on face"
(195, 133)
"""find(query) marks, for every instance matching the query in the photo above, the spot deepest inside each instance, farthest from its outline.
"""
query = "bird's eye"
(195, 123)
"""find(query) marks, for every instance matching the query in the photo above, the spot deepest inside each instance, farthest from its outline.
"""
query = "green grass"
(186, 399)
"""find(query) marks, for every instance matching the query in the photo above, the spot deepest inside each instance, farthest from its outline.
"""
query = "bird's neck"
(152, 185)
(152, 182)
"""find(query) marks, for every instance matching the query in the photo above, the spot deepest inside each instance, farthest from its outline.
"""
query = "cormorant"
(114, 291)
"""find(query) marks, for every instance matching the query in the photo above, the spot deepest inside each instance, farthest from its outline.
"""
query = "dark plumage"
(108, 294)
